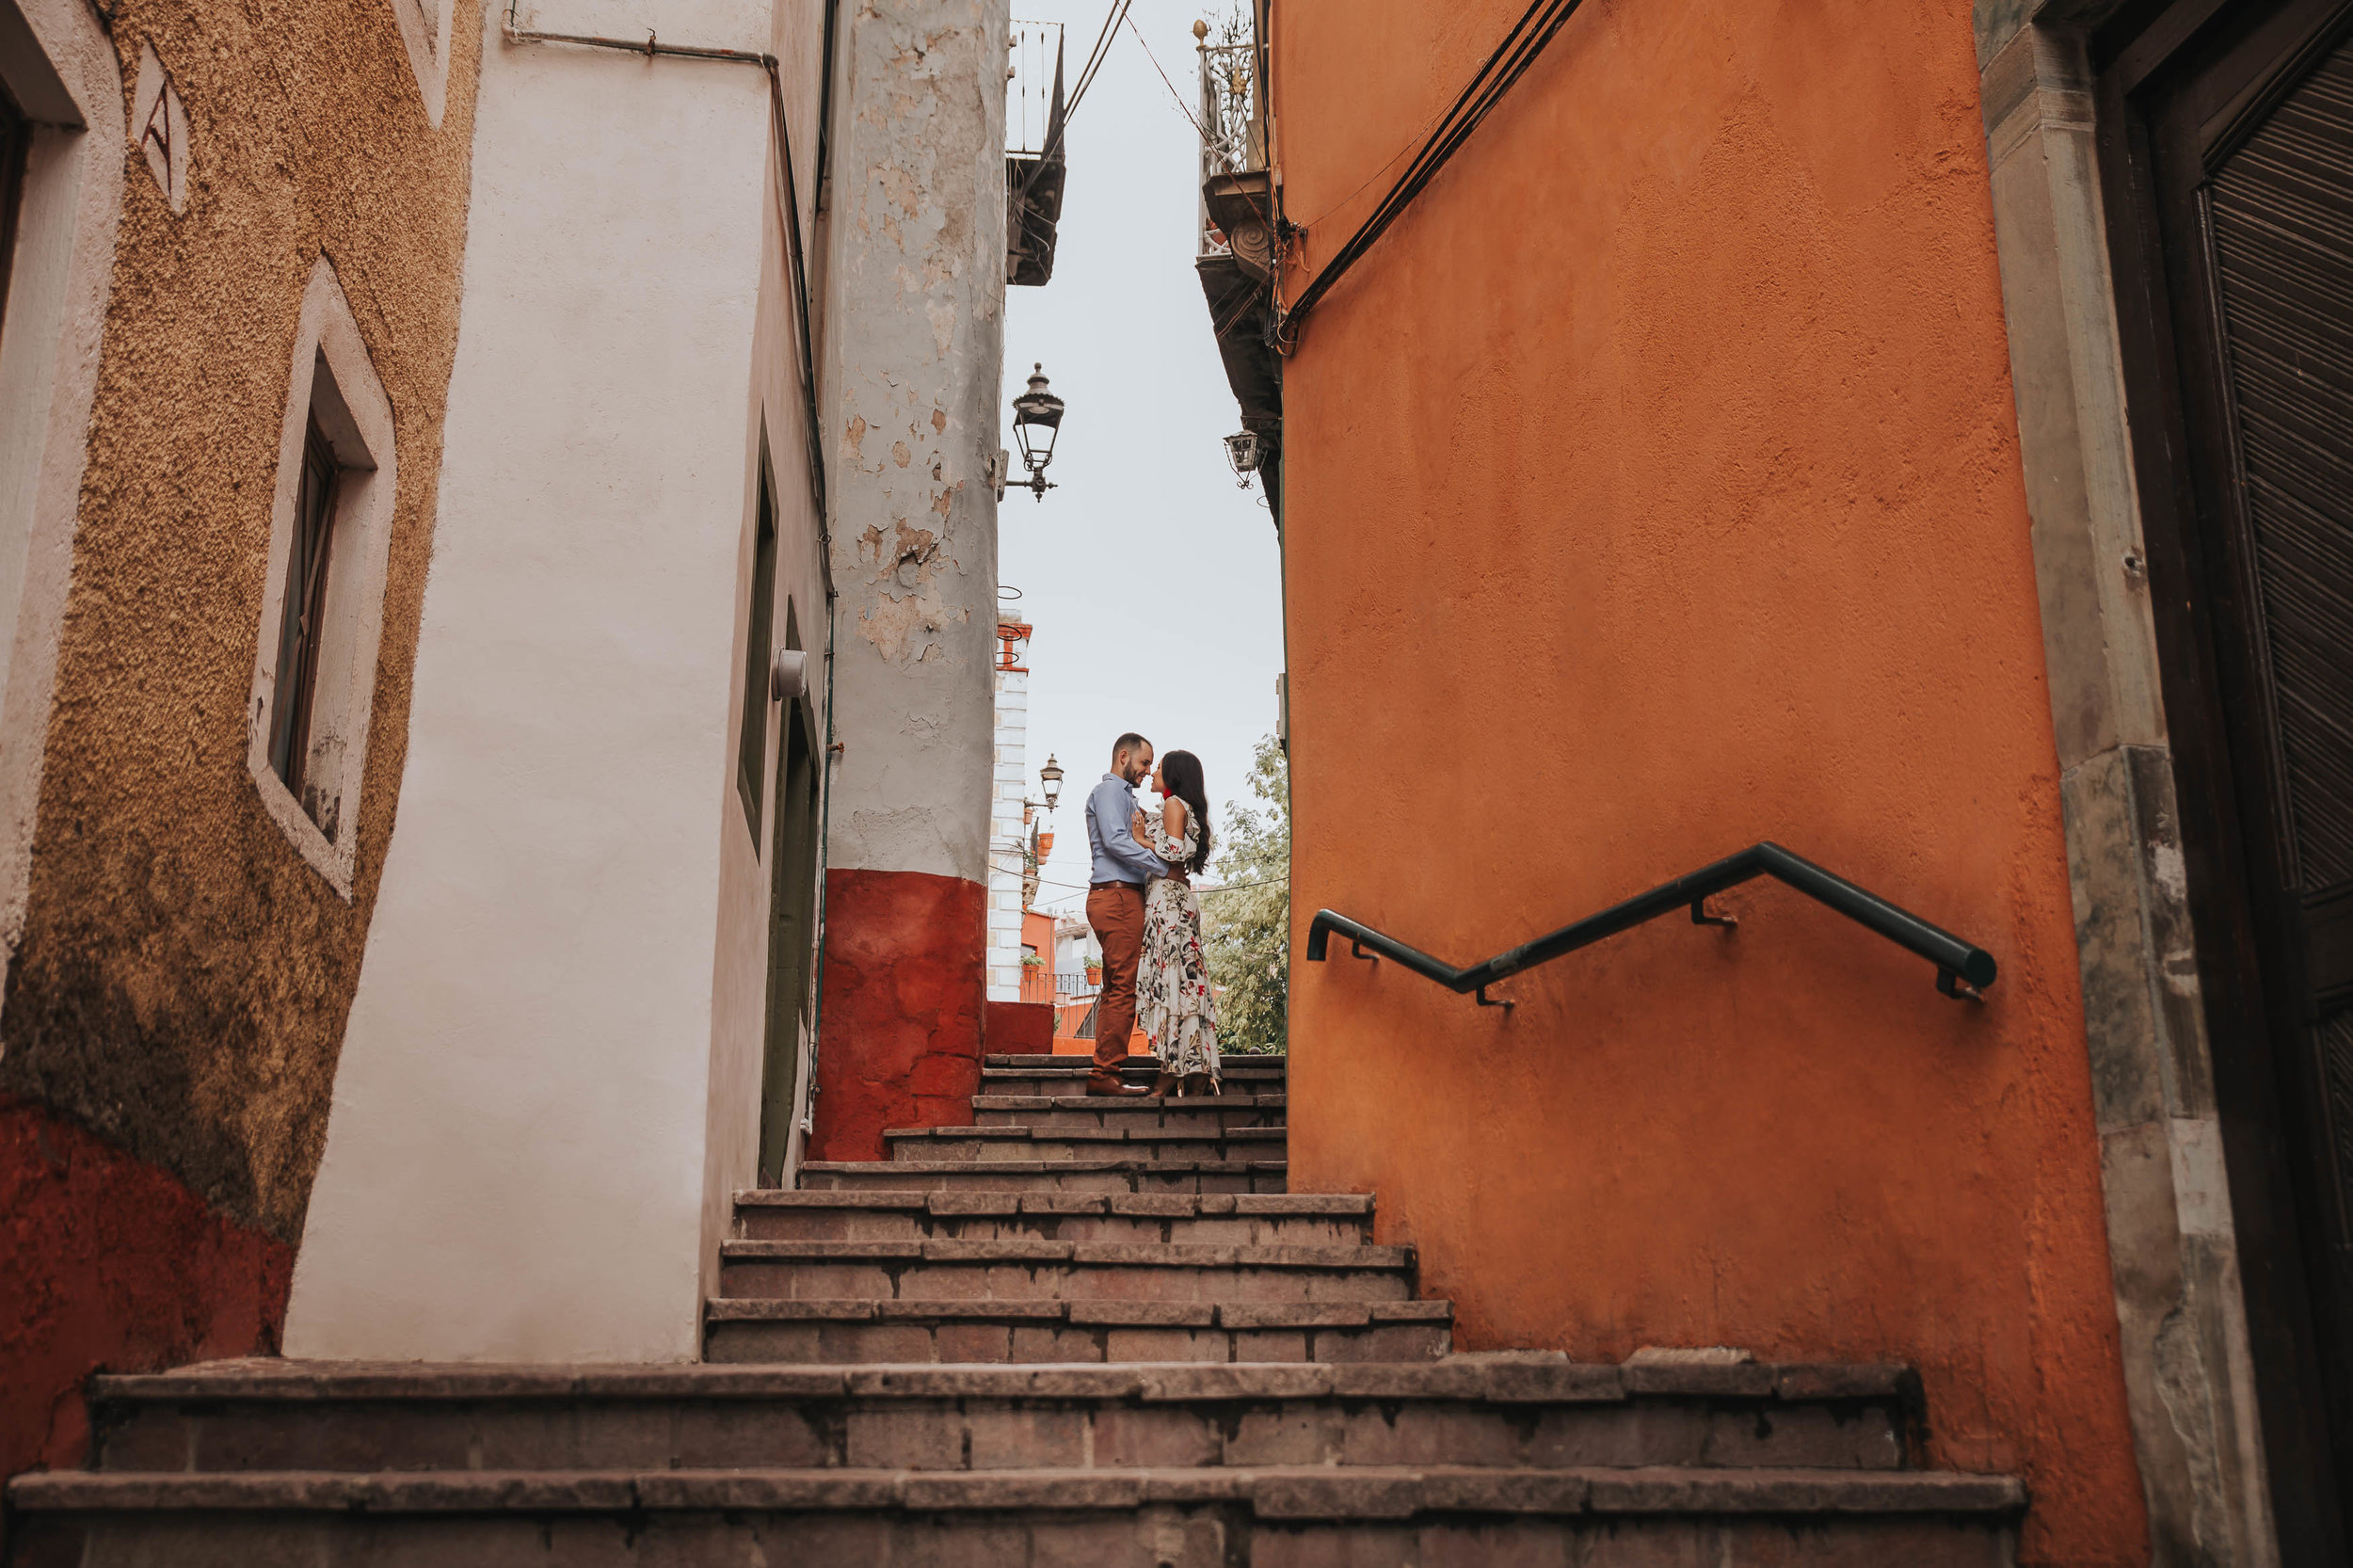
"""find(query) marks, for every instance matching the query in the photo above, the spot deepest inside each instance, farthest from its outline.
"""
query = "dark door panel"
(2232, 163)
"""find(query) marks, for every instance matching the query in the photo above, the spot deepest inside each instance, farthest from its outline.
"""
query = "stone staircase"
(1093, 1332)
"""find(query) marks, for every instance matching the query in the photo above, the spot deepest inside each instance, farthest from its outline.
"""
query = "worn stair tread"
(1043, 1167)
(1316, 1492)
(1509, 1380)
(1125, 1255)
(1057, 1083)
(1163, 1205)
(1098, 1314)
(1132, 1063)
(1009, 1131)
(1130, 1105)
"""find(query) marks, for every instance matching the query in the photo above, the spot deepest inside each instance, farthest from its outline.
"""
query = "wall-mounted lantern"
(1241, 456)
(1036, 421)
(1050, 775)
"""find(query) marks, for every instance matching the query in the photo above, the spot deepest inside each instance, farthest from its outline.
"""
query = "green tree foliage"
(1247, 928)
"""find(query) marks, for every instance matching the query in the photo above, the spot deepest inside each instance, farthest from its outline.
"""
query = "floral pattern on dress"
(1172, 1001)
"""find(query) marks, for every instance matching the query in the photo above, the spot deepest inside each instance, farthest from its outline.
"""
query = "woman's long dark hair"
(1181, 772)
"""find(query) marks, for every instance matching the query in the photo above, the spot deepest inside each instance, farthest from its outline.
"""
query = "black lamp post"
(1036, 421)
(1050, 775)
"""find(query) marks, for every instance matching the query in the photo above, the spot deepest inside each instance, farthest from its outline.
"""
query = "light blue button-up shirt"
(1110, 836)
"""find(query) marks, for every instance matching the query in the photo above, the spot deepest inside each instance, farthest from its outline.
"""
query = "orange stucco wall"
(1651, 490)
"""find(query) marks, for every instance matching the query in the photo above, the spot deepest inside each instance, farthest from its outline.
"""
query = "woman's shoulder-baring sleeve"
(1156, 833)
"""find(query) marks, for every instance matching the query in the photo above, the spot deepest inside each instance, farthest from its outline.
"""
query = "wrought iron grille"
(1033, 51)
(1233, 134)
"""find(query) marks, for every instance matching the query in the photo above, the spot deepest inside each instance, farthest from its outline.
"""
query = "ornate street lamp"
(1036, 421)
(1050, 775)
(1241, 456)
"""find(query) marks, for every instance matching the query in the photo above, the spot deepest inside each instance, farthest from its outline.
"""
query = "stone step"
(1229, 1063)
(1073, 1085)
(1495, 1411)
(1208, 1114)
(1275, 1219)
(837, 1333)
(1032, 1271)
(1068, 1075)
(1021, 1141)
(1130, 1175)
(1286, 1517)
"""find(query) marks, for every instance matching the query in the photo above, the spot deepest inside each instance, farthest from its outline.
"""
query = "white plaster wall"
(915, 294)
(517, 1161)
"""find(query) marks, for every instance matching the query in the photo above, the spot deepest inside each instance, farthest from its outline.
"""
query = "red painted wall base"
(109, 1264)
(1021, 1028)
(905, 978)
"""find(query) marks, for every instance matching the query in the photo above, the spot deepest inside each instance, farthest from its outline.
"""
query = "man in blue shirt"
(1116, 907)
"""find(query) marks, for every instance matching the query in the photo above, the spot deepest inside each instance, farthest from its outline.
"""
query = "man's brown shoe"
(1109, 1087)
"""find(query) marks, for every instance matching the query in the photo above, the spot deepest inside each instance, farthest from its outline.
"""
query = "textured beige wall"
(183, 976)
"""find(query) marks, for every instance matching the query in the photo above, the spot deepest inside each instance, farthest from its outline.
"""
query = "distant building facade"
(1009, 874)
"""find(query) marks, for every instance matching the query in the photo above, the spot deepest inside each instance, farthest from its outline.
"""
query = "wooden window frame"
(302, 620)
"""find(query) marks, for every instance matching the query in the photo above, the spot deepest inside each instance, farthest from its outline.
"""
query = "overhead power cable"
(1501, 70)
(1182, 107)
(1095, 56)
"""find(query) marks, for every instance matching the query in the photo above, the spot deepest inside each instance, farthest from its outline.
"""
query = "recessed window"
(322, 609)
(62, 166)
(303, 617)
(16, 143)
(752, 745)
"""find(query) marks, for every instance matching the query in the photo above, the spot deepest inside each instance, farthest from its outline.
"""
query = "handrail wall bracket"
(1963, 969)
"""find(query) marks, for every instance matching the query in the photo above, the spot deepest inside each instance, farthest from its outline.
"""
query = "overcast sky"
(1151, 579)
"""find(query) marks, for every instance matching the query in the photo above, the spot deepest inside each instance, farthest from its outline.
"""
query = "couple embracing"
(1140, 902)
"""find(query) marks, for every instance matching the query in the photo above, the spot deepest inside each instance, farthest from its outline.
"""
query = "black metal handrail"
(1963, 969)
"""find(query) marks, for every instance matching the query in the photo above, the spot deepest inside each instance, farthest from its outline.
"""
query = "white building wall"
(543, 1055)
(1074, 946)
(1006, 832)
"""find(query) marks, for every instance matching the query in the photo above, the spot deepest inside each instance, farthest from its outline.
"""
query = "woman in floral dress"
(1173, 1002)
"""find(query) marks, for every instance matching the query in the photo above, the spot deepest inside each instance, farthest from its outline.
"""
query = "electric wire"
(1081, 888)
(1095, 56)
(1502, 69)
(1181, 107)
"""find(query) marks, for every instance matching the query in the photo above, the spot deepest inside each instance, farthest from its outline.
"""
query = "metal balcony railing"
(1034, 64)
(1233, 121)
(1039, 984)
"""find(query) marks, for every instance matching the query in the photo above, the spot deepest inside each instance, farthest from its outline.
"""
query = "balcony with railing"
(1041, 985)
(1233, 127)
(1036, 165)
(1235, 233)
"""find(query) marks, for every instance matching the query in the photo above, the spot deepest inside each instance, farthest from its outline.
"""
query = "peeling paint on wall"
(916, 281)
